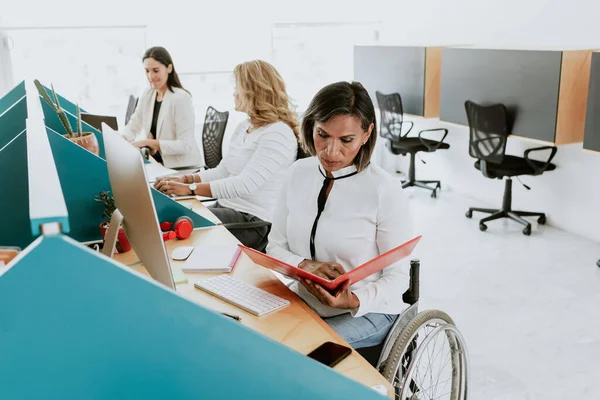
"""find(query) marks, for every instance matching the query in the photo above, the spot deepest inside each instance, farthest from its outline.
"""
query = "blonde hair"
(262, 95)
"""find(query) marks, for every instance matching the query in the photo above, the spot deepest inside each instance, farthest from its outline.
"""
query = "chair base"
(412, 181)
(424, 185)
(507, 212)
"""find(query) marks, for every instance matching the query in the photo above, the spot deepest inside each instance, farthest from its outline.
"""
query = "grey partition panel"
(391, 69)
(591, 139)
(526, 82)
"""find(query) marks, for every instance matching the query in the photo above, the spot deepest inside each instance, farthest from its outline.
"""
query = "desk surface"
(295, 326)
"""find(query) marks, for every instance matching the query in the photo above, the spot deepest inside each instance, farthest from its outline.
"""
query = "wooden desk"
(296, 326)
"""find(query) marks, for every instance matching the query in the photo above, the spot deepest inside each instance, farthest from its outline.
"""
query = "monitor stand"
(110, 238)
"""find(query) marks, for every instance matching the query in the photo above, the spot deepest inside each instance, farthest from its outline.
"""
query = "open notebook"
(357, 274)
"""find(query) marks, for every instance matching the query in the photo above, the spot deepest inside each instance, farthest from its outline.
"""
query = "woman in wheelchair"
(338, 210)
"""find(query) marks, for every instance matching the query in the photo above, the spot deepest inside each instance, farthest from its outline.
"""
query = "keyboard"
(243, 295)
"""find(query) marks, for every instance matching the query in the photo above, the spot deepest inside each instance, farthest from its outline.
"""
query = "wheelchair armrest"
(537, 169)
(438, 144)
(411, 296)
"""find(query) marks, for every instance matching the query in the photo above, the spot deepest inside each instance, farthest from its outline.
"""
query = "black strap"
(321, 200)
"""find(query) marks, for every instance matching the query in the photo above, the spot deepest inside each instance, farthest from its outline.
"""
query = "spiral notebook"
(212, 258)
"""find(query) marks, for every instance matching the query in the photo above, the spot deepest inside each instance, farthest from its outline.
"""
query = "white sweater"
(365, 215)
(249, 177)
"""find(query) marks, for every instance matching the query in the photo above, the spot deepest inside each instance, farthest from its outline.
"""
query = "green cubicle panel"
(77, 325)
(15, 229)
(11, 97)
(83, 175)
(12, 121)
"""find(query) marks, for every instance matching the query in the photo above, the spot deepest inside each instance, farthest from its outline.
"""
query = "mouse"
(182, 252)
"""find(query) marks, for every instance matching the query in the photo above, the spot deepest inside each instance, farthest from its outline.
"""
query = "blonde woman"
(248, 179)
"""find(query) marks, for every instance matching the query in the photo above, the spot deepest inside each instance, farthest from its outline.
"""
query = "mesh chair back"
(213, 131)
(392, 115)
(488, 127)
(131, 105)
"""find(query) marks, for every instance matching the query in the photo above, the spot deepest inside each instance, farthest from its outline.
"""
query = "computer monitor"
(97, 120)
(135, 207)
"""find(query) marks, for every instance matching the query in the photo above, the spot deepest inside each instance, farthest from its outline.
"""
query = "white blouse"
(365, 215)
(250, 176)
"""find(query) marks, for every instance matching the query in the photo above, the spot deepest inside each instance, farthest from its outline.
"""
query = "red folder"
(356, 275)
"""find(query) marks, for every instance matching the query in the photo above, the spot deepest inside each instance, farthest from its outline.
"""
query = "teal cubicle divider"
(53, 122)
(99, 330)
(11, 97)
(15, 229)
(13, 121)
(83, 175)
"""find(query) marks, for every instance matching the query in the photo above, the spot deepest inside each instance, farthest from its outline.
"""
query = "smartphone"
(330, 353)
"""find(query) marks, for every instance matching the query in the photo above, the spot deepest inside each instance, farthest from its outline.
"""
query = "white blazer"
(175, 126)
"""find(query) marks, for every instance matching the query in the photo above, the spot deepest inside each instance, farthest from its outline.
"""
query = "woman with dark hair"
(164, 115)
(337, 211)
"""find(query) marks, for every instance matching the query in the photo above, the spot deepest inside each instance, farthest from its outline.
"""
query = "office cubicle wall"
(591, 139)
(393, 69)
(527, 82)
(545, 91)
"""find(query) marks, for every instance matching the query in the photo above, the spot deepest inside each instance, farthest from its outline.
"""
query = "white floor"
(529, 307)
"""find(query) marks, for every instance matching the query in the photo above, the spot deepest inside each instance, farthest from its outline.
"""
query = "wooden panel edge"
(433, 75)
(572, 97)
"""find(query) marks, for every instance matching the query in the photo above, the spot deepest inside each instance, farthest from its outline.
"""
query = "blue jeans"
(366, 331)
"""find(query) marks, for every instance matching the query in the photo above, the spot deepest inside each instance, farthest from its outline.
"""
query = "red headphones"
(181, 229)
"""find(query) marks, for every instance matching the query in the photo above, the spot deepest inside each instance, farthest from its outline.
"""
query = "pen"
(238, 319)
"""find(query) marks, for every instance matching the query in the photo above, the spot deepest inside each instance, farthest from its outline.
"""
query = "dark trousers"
(256, 238)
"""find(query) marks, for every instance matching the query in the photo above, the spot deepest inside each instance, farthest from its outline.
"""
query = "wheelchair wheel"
(428, 360)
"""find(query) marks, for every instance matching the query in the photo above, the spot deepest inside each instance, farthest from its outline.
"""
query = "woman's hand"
(152, 144)
(326, 270)
(343, 298)
(171, 187)
(179, 179)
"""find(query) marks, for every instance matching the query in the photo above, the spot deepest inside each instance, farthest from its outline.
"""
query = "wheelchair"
(424, 355)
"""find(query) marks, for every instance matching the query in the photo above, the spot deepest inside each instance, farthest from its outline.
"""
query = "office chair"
(390, 128)
(213, 132)
(489, 130)
(131, 106)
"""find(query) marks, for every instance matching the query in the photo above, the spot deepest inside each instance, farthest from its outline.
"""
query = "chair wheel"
(598, 263)
(527, 230)
(542, 220)
(482, 227)
(469, 214)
